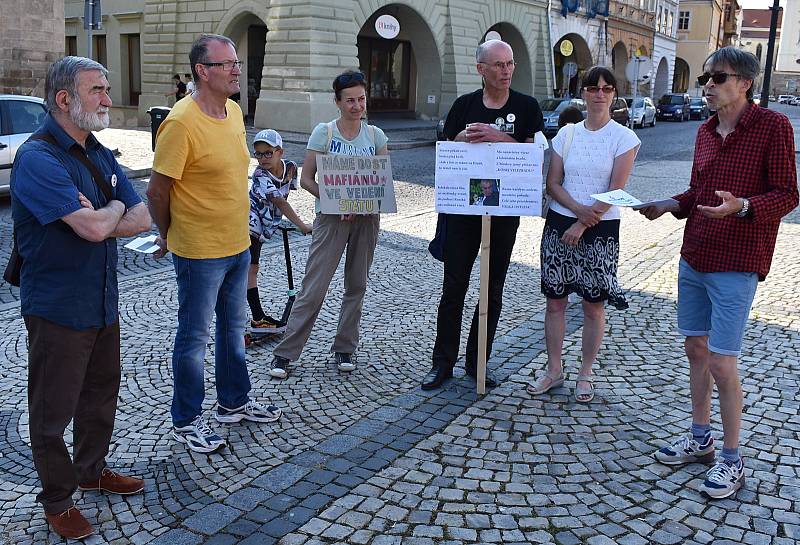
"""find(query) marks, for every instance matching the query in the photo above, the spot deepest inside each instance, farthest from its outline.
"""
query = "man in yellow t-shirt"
(199, 200)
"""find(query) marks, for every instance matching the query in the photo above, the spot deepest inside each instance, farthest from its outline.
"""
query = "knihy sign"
(387, 27)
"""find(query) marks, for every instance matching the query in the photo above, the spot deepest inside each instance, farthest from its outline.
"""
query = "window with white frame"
(683, 20)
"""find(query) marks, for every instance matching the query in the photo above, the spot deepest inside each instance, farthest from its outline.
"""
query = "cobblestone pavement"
(368, 458)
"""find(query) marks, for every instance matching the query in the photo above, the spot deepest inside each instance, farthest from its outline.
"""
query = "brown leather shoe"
(114, 483)
(70, 524)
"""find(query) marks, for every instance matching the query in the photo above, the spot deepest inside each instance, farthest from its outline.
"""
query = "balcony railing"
(618, 9)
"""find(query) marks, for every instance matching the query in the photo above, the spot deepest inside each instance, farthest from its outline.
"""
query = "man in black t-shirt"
(180, 88)
(495, 113)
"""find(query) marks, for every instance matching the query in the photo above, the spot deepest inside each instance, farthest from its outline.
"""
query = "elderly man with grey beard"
(70, 200)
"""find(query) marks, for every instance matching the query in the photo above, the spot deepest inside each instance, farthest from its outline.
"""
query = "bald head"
(489, 47)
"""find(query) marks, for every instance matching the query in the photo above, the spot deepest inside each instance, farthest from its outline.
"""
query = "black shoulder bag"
(14, 267)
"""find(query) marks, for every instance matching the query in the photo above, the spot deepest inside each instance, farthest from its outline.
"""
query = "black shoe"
(490, 382)
(436, 377)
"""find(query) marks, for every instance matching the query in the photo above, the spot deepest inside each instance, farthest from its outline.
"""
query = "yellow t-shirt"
(209, 201)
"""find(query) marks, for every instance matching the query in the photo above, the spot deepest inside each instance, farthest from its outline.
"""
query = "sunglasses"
(718, 77)
(344, 79)
(607, 89)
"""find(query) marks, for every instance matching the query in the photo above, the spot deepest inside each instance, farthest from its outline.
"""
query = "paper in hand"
(145, 245)
(619, 197)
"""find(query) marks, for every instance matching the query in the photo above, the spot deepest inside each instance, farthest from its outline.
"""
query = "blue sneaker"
(687, 451)
(724, 479)
(252, 411)
(198, 436)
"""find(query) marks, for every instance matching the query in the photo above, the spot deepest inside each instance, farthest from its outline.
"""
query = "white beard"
(88, 121)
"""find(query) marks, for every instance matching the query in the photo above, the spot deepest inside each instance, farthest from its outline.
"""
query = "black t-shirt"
(180, 90)
(520, 117)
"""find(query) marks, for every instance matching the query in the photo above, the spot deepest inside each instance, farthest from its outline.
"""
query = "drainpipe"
(552, 45)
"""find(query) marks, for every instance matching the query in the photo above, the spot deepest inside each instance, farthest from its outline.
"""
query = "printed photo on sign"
(484, 191)
(355, 184)
(497, 179)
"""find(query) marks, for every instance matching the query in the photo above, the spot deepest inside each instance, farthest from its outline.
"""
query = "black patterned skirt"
(588, 269)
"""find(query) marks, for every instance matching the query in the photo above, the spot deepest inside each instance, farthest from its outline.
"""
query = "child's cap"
(269, 136)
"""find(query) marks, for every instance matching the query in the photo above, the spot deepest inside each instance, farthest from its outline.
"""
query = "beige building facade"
(703, 27)
(292, 51)
(30, 40)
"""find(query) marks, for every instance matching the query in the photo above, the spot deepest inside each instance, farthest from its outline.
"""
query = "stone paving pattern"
(368, 458)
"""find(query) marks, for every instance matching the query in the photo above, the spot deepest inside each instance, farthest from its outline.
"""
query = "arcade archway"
(571, 58)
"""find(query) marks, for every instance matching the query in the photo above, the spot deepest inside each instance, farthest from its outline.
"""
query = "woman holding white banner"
(332, 233)
(580, 240)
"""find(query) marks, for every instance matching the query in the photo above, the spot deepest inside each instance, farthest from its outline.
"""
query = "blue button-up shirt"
(65, 278)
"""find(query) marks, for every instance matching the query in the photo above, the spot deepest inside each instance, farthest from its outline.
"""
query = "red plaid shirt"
(755, 161)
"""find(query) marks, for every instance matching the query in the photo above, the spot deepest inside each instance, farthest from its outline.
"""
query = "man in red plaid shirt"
(743, 182)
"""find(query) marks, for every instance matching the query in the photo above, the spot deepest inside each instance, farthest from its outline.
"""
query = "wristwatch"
(745, 209)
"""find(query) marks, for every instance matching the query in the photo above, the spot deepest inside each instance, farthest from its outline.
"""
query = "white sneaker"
(687, 451)
(198, 436)
(724, 479)
(252, 411)
(345, 362)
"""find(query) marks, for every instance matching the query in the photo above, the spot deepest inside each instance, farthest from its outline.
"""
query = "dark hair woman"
(580, 241)
(331, 234)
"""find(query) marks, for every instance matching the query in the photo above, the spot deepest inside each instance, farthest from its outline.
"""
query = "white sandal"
(584, 395)
(540, 387)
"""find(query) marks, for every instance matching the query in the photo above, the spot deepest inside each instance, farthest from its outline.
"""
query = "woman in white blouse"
(580, 241)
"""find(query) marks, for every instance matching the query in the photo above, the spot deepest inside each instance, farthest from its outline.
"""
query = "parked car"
(784, 99)
(619, 111)
(757, 99)
(552, 108)
(673, 106)
(643, 111)
(698, 108)
(19, 117)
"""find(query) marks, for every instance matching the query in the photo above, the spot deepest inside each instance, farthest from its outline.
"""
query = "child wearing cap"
(272, 180)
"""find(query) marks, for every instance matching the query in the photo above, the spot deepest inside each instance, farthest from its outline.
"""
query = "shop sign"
(387, 27)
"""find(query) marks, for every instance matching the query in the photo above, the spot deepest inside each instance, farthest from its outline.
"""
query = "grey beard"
(87, 121)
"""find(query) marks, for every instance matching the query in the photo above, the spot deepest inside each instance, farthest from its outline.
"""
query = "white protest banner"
(350, 184)
(496, 179)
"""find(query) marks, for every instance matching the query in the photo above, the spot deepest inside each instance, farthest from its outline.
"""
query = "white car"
(643, 112)
(19, 117)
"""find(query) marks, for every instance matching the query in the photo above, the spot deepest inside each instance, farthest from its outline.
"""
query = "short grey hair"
(199, 52)
(483, 49)
(742, 62)
(63, 75)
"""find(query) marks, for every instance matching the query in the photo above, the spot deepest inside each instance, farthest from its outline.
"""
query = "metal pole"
(773, 30)
(89, 28)
(631, 119)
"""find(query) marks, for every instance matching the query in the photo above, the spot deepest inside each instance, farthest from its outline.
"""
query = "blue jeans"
(207, 286)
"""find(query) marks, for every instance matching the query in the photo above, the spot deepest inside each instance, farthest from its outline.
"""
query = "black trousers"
(72, 376)
(461, 247)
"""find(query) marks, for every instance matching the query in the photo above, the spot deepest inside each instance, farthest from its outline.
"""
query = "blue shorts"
(715, 305)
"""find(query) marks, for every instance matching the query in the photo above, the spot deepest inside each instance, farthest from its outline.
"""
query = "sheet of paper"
(145, 245)
(618, 197)
(496, 179)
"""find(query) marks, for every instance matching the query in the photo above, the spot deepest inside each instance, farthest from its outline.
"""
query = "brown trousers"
(72, 376)
(330, 238)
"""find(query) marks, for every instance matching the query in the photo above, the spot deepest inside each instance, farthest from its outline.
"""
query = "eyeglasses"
(227, 66)
(260, 154)
(499, 65)
(718, 77)
(607, 89)
(344, 79)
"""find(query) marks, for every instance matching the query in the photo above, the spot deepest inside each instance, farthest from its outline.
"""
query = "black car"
(673, 106)
(698, 108)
